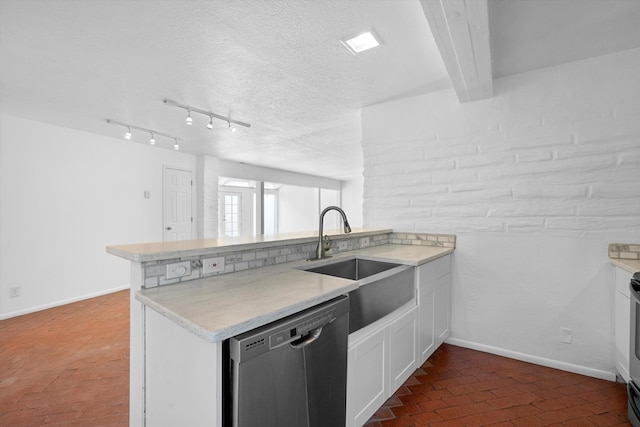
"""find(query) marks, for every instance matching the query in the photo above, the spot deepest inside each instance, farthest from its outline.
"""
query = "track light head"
(207, 113)
(152, 133)
(176, 146)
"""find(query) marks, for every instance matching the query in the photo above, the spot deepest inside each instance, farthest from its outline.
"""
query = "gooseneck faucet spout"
(347, 228)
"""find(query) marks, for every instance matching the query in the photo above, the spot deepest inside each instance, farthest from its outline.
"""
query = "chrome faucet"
(347, 229)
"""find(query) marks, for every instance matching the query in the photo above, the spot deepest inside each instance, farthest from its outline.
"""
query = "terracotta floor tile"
(67, 366)
(404, 410)
(426, 418)
(530, 421)
(507, 392)
(398, 422)
(432, 405)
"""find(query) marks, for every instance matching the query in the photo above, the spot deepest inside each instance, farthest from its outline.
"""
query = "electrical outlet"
(364, 242)
(342, 246)
(178, 269)
(14, 292)
(566, 335)
(212, 265)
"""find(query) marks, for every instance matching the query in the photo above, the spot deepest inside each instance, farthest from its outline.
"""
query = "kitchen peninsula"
(181, 312)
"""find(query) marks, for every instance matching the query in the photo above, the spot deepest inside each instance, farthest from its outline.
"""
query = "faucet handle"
(326, 243)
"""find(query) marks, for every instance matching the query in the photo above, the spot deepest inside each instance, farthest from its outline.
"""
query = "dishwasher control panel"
(297, 330)
(301, 329)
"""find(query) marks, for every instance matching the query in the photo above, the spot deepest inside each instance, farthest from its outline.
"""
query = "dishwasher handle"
(306, 339)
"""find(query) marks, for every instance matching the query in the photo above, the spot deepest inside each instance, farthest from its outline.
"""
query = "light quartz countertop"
(143, 252)
(219, 307)
(630, 265)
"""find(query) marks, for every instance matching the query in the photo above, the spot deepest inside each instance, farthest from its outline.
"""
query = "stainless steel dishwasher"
(292, 372)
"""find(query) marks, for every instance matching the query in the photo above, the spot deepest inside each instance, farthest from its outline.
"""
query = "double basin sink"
(383, 287)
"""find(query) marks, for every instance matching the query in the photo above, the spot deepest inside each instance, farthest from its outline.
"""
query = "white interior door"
(230, 214)
(177, 204)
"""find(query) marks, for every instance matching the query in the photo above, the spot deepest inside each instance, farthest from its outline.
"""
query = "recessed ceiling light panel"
(363, 41)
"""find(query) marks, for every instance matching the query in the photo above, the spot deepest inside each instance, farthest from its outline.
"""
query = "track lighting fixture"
(151, 132)
(176, 146)
(208, 114)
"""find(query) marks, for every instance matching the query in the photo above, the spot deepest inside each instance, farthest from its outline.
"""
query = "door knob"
(168, 228)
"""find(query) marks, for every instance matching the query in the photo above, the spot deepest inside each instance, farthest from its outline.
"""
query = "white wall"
(352, 200)
(297, 209)
(535, 182)
(64, 196)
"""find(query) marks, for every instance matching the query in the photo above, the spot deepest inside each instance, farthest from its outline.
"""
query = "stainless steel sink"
(383, 287)
(354, 269)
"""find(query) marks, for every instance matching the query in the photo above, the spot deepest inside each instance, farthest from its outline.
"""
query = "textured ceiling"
(276, 64)
(531, 34)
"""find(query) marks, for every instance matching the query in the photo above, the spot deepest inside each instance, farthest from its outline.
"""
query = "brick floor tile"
(398, 422)
(67, 365)
(426, 418)
(432, 405)
(529, 421)
(503, 402)
(404, 410)
(448, 423)
(563, 415)
(582, 422)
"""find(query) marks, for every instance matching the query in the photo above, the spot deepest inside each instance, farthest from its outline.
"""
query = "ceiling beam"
(461, 32)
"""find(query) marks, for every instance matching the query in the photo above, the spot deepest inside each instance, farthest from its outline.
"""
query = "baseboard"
(62, 302)
(569, 367)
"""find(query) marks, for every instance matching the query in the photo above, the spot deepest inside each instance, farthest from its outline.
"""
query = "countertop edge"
(630, 265)
(213, 336)
(126, 252)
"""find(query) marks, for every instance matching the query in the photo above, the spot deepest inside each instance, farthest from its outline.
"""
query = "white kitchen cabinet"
(402, 348)
(367, 375)
(426, 324)
(383, 355)
(622, 322)
(183, 376)
(442, 309)
(380, 359)
(433, 282)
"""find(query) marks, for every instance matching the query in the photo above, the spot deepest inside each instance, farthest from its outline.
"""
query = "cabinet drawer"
(433, 270)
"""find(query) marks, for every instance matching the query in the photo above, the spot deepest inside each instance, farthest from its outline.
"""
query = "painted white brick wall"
(536, 182)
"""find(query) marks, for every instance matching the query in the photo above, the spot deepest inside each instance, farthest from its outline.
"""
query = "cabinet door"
(622, 322)
(622, 331)
(442, 314)
(402, 348)
(367, 373)
(426, 324)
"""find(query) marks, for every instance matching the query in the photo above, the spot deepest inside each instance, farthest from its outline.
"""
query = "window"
(286, 208)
